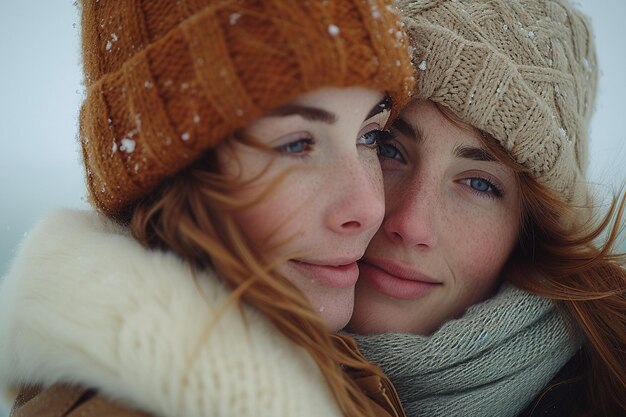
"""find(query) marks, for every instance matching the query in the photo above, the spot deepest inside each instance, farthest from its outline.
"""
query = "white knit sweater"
(84, 303)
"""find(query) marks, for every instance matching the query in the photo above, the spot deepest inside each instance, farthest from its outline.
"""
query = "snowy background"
(40, 93)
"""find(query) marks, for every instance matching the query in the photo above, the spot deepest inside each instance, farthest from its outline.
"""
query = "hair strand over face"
(192, 216)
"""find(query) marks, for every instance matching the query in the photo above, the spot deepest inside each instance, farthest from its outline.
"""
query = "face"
(452, 220)
(321, 187)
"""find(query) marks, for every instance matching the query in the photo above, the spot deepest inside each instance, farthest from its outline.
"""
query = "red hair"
(576, 264)
(567, 253)
(192, 215)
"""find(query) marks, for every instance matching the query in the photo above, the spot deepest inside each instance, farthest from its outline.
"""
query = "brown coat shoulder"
(68, 401)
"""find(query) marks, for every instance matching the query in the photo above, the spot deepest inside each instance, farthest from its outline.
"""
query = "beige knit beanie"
(523, 71)
(167, 80)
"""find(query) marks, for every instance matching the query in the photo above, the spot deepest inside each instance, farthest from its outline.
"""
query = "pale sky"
(40, 93)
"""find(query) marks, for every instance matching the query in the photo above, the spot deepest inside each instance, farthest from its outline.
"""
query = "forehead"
(424, 119)
(342, 101)
(328, 106)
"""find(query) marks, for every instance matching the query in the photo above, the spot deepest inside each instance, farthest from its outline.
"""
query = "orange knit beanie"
(167, 80)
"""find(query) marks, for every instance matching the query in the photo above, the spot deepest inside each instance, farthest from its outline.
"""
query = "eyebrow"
(315, 114)
(411, 132)
(473, 153)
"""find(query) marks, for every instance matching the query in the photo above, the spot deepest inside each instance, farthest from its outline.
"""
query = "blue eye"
(370, 138)
(483, 187)
(373, 138)
(389, 151)
(296, 147)
(480, 184)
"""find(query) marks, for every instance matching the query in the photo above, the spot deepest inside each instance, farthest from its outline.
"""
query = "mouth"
(333, 273)
(397, 281)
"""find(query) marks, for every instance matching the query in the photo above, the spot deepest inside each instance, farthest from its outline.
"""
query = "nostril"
(351, 225)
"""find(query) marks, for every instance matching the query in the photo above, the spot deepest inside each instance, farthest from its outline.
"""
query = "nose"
(357, 198)
(411, 213)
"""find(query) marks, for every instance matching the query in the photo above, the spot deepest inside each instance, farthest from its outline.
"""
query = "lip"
(397, 281)
(333, 273)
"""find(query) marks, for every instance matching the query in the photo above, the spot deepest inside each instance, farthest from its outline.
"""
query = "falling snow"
(333, 30)
(422, 66)
(234, 18)
(128, 145)
(110, 42)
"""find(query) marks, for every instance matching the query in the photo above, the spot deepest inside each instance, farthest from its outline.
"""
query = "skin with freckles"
(326, 200)
(452, 219)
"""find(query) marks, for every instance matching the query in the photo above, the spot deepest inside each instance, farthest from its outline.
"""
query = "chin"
(376, 315)
(336, 313)
(337, 320)
(337, 309)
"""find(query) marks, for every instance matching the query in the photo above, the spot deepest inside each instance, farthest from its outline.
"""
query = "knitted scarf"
(493, 361)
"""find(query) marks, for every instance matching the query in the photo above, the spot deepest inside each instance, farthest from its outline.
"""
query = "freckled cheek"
(269, 215)
(372, 167)
(393, 185)
(255, 221)
(289, 209)
(482, 249)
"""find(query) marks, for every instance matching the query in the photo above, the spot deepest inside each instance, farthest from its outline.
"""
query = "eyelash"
(493, 191)
(384, 144)
(308, 144)
(380, 135)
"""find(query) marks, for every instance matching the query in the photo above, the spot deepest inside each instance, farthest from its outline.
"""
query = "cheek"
(264, 219)
(482, 248)
(255, 221)
(375, 174)
(281, 213)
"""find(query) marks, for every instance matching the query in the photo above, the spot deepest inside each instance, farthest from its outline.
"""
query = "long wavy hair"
(192, 215)
(575, 262)
(567, 253)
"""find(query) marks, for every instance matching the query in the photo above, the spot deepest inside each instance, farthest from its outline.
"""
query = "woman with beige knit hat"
(486, 292)
(230, 149)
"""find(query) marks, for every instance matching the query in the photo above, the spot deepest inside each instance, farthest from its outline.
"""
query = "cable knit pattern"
(85, 304)
(493, 361)
(522, 70)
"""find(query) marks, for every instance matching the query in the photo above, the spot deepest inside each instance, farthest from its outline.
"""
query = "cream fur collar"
(84, 303)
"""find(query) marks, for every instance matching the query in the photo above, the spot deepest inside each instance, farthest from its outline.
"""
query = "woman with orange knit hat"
(230, 149)
(486, 291)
